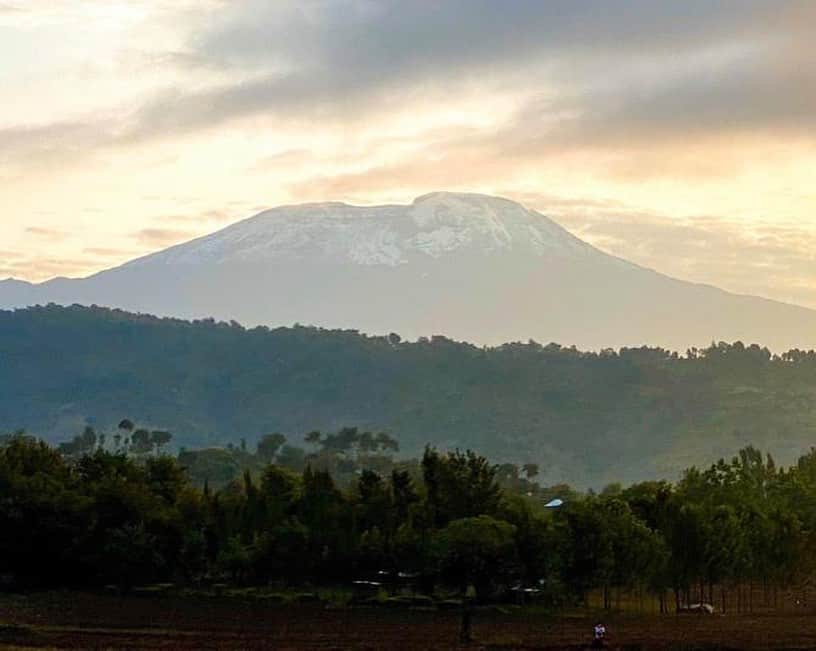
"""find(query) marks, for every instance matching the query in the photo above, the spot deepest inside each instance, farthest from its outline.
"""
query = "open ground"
(83, 620)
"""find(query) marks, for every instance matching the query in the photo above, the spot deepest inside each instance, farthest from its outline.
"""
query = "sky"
(679, 135)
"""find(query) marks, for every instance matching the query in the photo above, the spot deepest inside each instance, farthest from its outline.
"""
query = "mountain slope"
(586, 418)
(471, 267)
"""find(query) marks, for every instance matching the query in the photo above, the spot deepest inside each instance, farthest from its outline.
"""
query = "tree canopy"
(448, 519)
(585, 418)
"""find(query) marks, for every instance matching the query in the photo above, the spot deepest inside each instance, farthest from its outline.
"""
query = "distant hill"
(586, 418)
(472, 267)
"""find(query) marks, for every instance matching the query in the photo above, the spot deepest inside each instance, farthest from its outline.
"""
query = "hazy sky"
(680, 135)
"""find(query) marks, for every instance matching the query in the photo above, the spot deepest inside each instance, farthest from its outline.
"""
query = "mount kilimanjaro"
(468, 266)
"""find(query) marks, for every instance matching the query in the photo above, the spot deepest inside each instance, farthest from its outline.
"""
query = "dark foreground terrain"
(71, 620)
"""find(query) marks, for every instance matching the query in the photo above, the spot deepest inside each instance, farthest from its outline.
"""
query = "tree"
(159, 439)
(374, 504)
(322, 510)
(214, 465)
(269, 446)
(386, 443)
(723, 548)
(96, 517)
(165, 478)
(292, 458)
(130, 554)
(43, 522)
(403, 494)
(459, 485)
(543, 545)
(141, 441)
(592, 556)
(342, 442)
(279, 489)
(81, 444)
(282, 551)
(314, 438)
(235, 559)
(366, 443)
(476, 551)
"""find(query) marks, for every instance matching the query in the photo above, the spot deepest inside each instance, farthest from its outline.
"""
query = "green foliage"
(459, 485)
(480, 551)
(269, 445)
(116, 518)
(215, 466)
(586, 418)
(130, 554)
(81, 444)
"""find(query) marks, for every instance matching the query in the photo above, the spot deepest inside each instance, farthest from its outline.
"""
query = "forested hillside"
(587, 418)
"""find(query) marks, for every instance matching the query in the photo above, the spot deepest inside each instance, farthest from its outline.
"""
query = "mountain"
(586, 418)
(471, 267)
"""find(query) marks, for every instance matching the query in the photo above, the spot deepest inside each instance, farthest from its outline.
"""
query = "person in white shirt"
(598, 636)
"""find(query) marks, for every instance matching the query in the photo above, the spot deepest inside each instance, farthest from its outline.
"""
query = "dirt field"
(71, 620)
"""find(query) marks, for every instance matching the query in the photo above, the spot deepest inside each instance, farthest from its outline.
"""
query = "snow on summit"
(433, 225)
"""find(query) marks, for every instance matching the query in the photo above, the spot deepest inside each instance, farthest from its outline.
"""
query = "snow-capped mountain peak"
(469, 266)
(433, 225)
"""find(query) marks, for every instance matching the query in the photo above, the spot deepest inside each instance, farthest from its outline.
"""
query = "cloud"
(205, 217)
(160, 237)
(743, 92)
(635, 66)
(771, 260)
(411, 176)
(585, 74)
(288, 157)
(50, 234)
(41, 268)
(365, 42)
(53, 145)
(107, 252)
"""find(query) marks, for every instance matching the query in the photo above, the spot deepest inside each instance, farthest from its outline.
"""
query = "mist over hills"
(586, 418)
(470, 267)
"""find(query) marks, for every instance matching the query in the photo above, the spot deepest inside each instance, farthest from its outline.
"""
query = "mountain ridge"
(587, 418)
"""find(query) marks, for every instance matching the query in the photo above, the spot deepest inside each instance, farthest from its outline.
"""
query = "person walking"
(599, 636)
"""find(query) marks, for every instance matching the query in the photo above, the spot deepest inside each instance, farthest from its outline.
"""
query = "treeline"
(109, 518)
(564, 409)
(343, 454)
